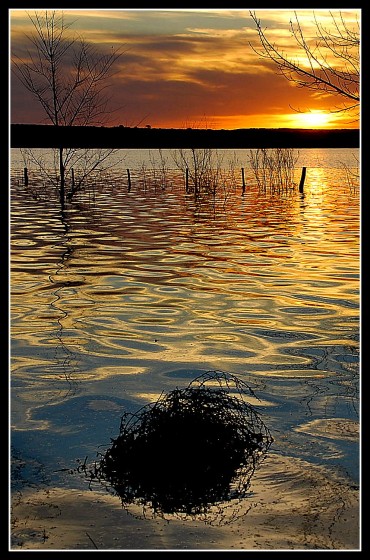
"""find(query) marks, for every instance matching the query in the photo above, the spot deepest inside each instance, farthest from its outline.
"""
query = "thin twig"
(91, 540)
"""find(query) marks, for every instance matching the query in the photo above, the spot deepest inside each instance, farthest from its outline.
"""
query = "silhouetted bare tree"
(69, 79)
(330, 62)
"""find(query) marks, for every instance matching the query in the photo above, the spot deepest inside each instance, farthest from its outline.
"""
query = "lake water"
(133, 292)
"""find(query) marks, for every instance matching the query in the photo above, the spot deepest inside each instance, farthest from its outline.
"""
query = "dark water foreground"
(129, 295)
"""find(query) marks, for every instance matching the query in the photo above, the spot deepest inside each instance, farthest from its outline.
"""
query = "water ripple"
(130, 294)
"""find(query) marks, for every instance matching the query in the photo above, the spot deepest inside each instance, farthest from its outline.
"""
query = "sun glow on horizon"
(313, 119)
(308, 120)
(195, 66)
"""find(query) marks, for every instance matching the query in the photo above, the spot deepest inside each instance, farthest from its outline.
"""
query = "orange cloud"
(185, 65)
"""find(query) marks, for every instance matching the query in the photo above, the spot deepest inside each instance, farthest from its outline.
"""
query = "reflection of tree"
(337, 386)
(344, 387)
(65, 357)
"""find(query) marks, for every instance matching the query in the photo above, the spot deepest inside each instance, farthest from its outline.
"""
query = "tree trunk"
(62, 177)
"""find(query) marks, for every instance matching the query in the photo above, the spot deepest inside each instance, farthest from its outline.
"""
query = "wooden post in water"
(73, 177)
(129, 180)
(243, 181)
(303, 177)
(187, 179)
(25, 175)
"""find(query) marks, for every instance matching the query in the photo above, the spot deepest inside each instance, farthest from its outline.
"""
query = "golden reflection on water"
(265, 269)
(113, 297)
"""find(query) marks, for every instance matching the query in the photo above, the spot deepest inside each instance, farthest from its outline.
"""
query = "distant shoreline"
(48, 136)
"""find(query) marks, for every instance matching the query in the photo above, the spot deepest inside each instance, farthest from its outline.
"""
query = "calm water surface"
(128, 294)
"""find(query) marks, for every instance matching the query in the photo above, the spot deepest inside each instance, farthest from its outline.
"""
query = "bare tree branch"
(68, 77)
(330, 63)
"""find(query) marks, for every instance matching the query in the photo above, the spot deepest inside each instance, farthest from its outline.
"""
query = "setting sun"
(313, 119)
(205, 68)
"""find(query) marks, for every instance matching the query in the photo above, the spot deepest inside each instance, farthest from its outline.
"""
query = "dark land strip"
(49, 136)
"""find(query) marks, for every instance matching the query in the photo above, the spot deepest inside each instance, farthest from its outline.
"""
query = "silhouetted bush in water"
(192, 448)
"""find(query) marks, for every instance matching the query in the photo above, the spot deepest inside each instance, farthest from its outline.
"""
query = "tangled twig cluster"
(192, 448)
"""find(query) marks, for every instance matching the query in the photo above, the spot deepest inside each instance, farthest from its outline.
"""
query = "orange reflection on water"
(143, 279)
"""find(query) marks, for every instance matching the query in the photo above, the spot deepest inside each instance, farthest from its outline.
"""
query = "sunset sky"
(193, 68)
